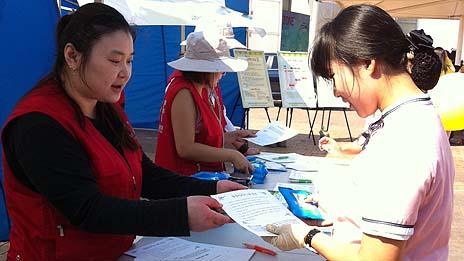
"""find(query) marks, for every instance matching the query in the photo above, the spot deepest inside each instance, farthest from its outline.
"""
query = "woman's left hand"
(289, 236)
(227, 185)
(235, 138)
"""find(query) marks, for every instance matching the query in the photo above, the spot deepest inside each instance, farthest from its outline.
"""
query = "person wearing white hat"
(191, 132)
(226, 33)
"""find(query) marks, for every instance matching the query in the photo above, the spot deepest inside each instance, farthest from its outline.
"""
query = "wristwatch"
(244, 148)
(310, 235)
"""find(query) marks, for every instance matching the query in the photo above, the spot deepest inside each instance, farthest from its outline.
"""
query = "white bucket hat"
(201, 56)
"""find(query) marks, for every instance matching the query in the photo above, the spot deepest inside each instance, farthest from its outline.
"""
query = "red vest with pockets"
(209, 130)
(39, 231)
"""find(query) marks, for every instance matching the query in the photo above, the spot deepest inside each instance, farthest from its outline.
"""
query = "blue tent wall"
(154, 47)
(28, 50)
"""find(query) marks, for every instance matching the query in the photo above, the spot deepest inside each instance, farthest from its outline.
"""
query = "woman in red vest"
(191, 130)
(73, 167)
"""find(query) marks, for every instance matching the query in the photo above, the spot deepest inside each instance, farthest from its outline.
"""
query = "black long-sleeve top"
(47, 159)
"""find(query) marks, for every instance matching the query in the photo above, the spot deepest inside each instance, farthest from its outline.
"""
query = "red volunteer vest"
(39, 231)
(122, 100)
(208, 130)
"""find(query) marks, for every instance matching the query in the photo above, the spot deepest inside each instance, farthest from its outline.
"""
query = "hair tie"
(418, 39)
(412, 47)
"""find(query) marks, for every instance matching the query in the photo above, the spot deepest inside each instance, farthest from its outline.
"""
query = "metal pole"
(457, 60)
(59, 7)
(182, 38)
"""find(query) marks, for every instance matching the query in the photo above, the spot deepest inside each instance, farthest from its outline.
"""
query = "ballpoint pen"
(280, 158)
(260, 249)
(300, 180)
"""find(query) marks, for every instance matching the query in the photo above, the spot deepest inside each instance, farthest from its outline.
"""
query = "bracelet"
(310, 235)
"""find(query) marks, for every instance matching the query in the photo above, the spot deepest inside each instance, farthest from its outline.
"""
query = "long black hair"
(83, 29)
(361, 33)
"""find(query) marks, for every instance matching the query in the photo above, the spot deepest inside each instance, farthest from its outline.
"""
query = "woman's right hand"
(328, 144)
(203, 213)
(241, 163)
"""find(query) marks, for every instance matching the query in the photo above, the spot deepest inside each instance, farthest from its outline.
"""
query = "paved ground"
(338, 130)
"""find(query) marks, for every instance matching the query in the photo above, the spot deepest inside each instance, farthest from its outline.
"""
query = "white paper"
(303, 163)
(253, 209)
(301, 176)
(274, 132)
(296, 186)
(273, 166)
(278, 157)
(176, 249)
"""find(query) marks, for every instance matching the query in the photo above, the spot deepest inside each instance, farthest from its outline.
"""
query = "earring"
(410, 55)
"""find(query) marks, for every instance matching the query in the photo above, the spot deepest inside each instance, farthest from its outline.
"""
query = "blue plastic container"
(205, 175)
(298, 208)
(260, 172)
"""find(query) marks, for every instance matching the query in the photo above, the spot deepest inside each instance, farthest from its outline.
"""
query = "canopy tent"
(187, 12)
(435, 9)
(28, 27)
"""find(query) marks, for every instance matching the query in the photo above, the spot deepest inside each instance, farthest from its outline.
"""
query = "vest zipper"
(135, 183)
(60, 230)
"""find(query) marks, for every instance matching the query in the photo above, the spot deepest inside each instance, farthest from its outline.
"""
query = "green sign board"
(295, 32)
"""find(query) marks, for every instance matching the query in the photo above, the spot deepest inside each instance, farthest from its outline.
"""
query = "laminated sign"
(255, 88)
(296, 80)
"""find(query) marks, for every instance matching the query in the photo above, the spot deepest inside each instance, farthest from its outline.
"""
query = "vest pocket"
(79, 245)
(111, 181)
(16, 251)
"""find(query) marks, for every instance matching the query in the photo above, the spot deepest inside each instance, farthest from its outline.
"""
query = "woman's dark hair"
(361, 33)
(441, 54)
(199, 77)
(83, 29)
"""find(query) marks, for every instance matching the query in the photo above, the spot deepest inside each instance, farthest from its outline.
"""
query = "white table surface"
(233, 235)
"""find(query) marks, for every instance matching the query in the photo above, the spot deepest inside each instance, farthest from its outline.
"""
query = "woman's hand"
(202, 215)
(235, 139)
(241, 163)
(289, 236)
(227, 185)
(328, 144)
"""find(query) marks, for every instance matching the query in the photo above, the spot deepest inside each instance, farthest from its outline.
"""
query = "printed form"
(274, 132)
(253, 209)
(176, 249)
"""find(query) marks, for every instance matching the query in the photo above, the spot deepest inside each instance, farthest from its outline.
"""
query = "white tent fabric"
(179, 12)
(438, 9)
